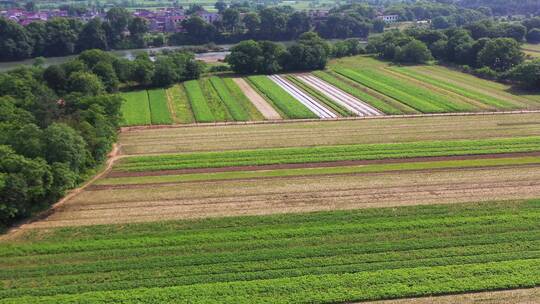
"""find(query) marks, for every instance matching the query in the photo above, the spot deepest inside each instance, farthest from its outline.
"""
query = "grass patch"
(181, 105)
(328, 153)
(200, 107)
(216, 105)
(340, 256)
(136, 109)
(280, 99)
(159, 109)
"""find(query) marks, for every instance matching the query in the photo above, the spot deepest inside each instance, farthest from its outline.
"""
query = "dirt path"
(262, 105)
(112, 158)
(518, 296)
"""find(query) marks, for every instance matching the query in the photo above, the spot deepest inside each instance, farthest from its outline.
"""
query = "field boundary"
(281, 121)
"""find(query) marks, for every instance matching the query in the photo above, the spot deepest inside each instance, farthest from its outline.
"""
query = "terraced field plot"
(285, 213)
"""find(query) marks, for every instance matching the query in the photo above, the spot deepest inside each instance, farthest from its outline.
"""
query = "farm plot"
(324, 257)
(199, 105)
(261, 105)
(304, 98)
(136, 109)
(215, 103)
(159, 108)
(315, 133)
(181, 109)
(349, 102)
(287, 105)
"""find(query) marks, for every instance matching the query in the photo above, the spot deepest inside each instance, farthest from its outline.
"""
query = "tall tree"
(92, 36)
(15, 44)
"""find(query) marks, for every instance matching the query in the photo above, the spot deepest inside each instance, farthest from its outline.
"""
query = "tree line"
(487, 54)
(58, 123)
(309, 52)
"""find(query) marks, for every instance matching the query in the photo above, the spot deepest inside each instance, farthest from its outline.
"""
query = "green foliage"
(328, 154)
(527, 74)
(199, 105)
(236, 109)
(413, 52)
(65, 145)
(339, 256)
(216, 105)
(500, 54)
(159, 110)
(85, 83)
(373, 101)
(285, 103)
(136, 108)
(533, 36)
(182, 108)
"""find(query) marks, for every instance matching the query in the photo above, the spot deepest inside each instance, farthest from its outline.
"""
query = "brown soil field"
(140, 203)
(518, 296)
(213, 138)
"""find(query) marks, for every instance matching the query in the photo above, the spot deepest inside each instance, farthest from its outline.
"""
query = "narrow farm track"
(303, 98)
(350, 102)
(517, 296)
(260, 103)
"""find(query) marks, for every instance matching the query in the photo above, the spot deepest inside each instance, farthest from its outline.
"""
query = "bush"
(533, 36)
(486, 72)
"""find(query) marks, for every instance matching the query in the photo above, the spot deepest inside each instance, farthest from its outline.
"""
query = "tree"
(106, 73)
(459, 46)
(273, 23)
(271, 54)
(440, 23)
(118, 19)
(198, 30)
(298, 23)
(61, 37)
(92, 36)
(534, 36)
(231, 19)
(310, 53)
(143, 69)
(220, 6)
(85, 83)
(532, 23)
(378, 25)
(37, 33)
(252, 22)
(500, 54)
(165, 72)
(413, 52)
(245, 57)
(65, 145)
(138, 27)
(527, 74)
(515, 31)
(15, 44)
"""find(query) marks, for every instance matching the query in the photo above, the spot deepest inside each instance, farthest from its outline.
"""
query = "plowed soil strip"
(319, 165)
(262, 105)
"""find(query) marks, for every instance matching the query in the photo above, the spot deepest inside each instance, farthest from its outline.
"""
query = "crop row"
(329, 153)
(180, 102)
(200, 107)
(413, 96)
(494, 243)
(288, 106)
(488, 100)
(159, 109)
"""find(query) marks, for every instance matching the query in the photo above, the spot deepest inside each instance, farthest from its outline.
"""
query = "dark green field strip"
(382, 105)
(486, 99)
(328, 153)
(374, 168)
(238, 113)
(215, 103)
(324, 255)
(199, 105)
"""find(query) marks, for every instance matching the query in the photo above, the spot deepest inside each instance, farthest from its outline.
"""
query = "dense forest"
(57, 124)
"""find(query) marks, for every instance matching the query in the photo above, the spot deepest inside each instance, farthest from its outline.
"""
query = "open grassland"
(180, 104)
(324, 257)
(328, 154)
(159, 108)
(136, 109)
(286, 104)
(199, 105)
(306, 134)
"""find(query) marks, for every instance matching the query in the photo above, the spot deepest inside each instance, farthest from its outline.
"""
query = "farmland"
(332, 211)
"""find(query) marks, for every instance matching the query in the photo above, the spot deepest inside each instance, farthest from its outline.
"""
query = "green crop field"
(238, 95)
(342, 111)
(216, 105)
(287, 105)
(329, 153)
(199, 105)
(238, 112)
(180, 104)
(324, 257)
(136, 109)
(388, 107)
(159, 109)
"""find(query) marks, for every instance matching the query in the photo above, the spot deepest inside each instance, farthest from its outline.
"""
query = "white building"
(389, 18)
